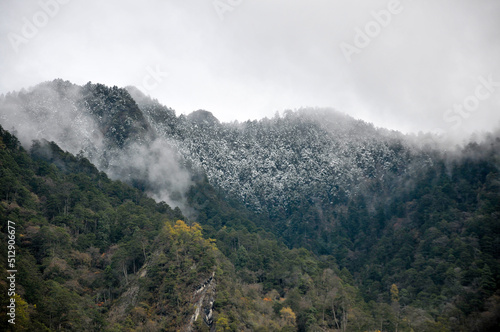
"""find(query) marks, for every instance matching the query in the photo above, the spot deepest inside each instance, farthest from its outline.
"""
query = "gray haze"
(159, 165)
(244, 59)
(66, 121)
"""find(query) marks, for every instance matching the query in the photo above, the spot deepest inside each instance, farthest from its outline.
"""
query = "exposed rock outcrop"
(203, 299)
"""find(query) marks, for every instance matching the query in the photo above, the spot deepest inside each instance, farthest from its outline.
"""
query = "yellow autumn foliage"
(182, 232)
(288, 315)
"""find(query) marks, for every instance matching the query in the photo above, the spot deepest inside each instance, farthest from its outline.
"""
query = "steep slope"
(415, 228)
(104, 125)
(298, 171)
(91, 118)
(81, 238)
(98, 255)
(285, 168)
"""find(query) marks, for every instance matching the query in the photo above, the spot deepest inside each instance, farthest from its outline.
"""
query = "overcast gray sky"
(399, 64)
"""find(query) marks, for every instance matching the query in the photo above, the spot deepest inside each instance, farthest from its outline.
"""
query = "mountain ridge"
(378, 208)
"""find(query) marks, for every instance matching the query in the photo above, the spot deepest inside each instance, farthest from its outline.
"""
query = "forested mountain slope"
(399, 235)
(98, 255)
(291, 169)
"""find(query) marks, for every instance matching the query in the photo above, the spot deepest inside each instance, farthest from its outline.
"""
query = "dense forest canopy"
(308, 221)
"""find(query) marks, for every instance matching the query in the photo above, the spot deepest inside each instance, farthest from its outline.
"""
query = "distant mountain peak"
(203, 117)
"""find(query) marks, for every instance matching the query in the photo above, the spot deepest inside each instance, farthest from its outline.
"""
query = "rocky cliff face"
(204, 299)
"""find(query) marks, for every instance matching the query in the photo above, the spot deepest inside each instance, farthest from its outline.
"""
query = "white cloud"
(269, 55)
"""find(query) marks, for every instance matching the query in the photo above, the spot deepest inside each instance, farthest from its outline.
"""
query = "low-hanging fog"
(60, 115)
(405, 65)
